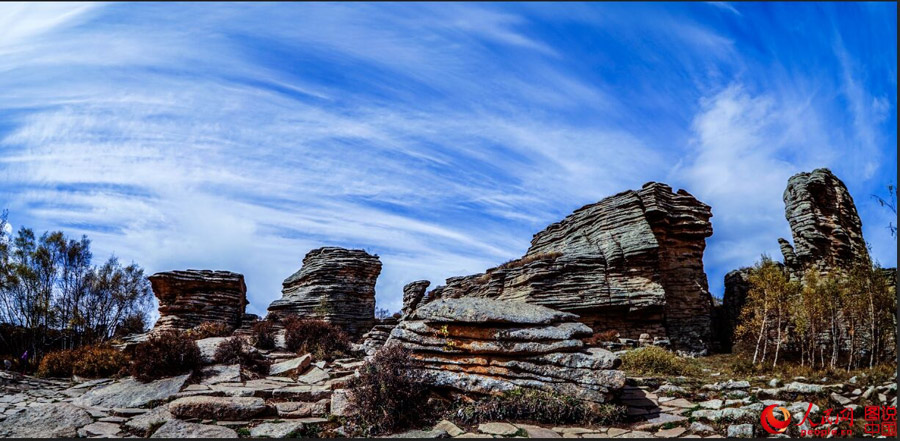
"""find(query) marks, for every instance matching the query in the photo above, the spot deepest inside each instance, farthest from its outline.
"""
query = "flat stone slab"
(220, 374)
(671, 433)
(313, 376)
(449, 427)
(218, 408)
(300, 409)
(131, 393)
(276, 430)
(659, 420)
(155, 417)
(292, 366)
(104, 430)
(182, 429)
(502, 429)
(60, 420)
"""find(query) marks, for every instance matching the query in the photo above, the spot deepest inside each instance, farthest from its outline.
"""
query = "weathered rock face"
(375, 338)
(413, 293)
(490, 346)
(827, 236)
(824, 223)
(632, 263)
(189, 298)
(336, 285)
(736, 289)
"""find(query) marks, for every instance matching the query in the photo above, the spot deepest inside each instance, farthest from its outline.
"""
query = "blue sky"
(440, 136)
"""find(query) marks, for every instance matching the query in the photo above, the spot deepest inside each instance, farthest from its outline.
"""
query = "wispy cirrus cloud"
(439, 136)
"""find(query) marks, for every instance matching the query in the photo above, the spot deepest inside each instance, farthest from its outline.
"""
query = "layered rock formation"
(189, 298)
(827, 235)
(413, 293)
(825, 226)
(736, 289)
(489, 346)
(375, 338)
(334, 284)
(632, 263)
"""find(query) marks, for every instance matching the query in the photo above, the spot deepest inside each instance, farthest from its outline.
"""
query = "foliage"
(540, 407)
(165, 354)
(653, 360)
(322, 339)
(99, 362)
(766, 312)
(389, 393)
(233, 350)
(602, 337)
(135, 323)
(49, 287)
(382, 313)
(264, 334)
(209, 329)
(844, 318)
(57, 364)
(86, 361)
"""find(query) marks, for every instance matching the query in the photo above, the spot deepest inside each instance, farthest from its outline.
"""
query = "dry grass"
(165, 354)
(209, 329)
(87, 361)
(529, 405)
(653, 360)
(320, 338)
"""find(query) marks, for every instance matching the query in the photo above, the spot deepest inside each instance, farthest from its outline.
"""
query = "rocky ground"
(303, 397)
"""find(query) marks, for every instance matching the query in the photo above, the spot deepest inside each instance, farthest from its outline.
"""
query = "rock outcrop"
(736, 289)
(489, 346)
(827, 235)
(413, 293)
(631, 263)
(825, 226)
(334, 284)
(189, 298)
(375, 338)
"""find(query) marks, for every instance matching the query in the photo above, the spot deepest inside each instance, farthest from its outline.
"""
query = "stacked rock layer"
(824, 223)
(632, 263)
(334, 284)
(189, 298)
(490, 346)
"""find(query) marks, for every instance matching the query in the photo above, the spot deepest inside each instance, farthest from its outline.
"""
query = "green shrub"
(653, 360)
(209, 329)
(264, 334)
(233, 351)
(540, 407)
(320, 338)
(388, 395)
(165, 354)
(87, 361)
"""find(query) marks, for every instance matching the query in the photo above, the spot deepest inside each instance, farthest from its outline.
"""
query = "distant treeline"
(53, 297)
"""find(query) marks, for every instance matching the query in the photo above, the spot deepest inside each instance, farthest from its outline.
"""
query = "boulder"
(631, 263)
(189, 298)
(334, 284)
(490, 346)
(58, 420)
